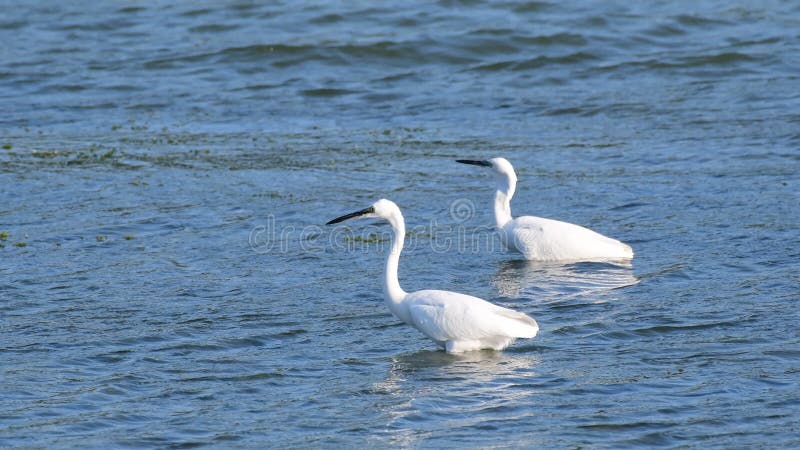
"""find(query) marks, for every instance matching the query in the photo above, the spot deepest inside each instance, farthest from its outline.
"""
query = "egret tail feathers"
(521, 325)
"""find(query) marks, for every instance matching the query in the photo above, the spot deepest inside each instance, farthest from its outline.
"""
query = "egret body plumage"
(456, 322)
(543, 239)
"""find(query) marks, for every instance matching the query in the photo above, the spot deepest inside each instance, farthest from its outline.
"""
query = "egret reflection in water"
(556, 281)
(472, 366)
(464, 389)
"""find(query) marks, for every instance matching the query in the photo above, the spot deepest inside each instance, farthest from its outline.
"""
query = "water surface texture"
(166, 170)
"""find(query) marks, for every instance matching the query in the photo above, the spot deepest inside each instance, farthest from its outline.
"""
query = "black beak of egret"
(474, 162)
(360, 213)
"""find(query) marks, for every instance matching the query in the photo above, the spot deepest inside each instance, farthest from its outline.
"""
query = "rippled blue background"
(166, 169)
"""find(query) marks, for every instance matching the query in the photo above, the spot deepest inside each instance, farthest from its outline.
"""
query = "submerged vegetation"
(138, 146)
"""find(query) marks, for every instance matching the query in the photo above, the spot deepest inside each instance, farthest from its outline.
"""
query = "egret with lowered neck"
(543, 239)
(456, 322)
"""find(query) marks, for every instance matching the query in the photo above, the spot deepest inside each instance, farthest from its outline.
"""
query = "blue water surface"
(166, 170)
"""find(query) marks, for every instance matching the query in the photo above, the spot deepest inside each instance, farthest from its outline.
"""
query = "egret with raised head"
(456, 322)
(543, 239)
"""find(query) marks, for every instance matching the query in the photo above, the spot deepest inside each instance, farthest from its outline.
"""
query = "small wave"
(537, 62)
(632, 205)
(242, 342)
(678, 270)
(327, 92)
(13, 25)
(532, 7)
(213, 28)
(556, 39)
(234, 378)
(665, 30)
(198, 12)
(189, 347)
(698, 21)
(564, 111)
(130, 10)
(720, 59)
(665, 329)
(327, 18)
(626, 426)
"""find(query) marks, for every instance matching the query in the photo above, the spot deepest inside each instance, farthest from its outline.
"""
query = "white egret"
(543, 239)
(457, 322)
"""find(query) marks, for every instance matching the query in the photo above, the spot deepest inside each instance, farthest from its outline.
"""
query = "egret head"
(500, 166)
(383, 209)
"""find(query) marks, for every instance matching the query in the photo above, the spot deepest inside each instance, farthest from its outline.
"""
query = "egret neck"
(392, 291)
(506, 184)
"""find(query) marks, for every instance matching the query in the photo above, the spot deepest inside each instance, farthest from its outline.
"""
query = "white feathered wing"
(462, 322)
